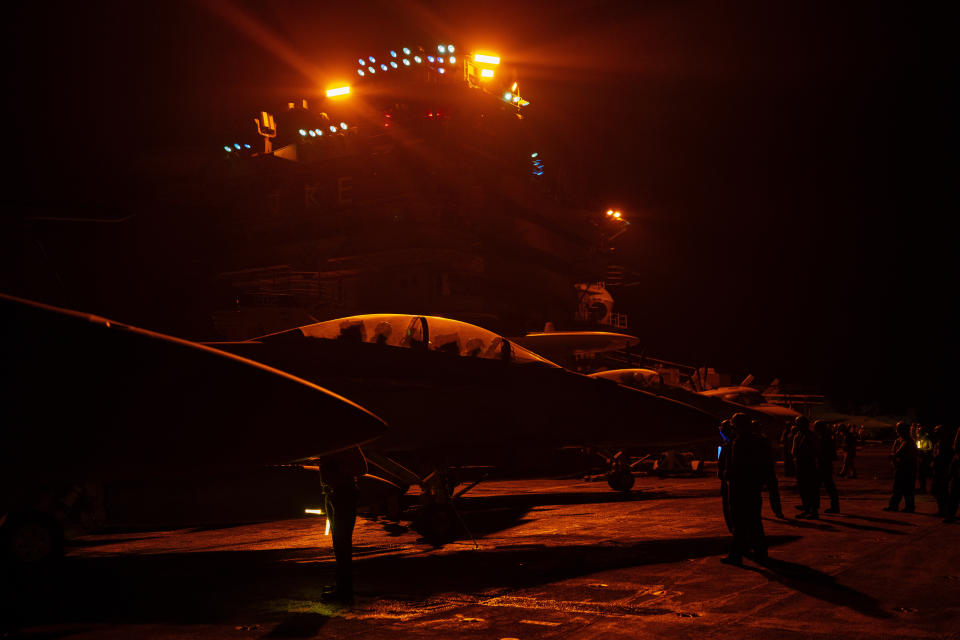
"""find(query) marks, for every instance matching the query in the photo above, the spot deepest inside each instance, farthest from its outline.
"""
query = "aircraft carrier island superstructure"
(417, 188)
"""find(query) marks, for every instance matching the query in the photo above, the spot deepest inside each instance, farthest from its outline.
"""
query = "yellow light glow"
(327, 531)
(480, 57)
(616, 214)
(338, 91)
(609, 212)
(486, 73)
(315, 512)
(514, 87)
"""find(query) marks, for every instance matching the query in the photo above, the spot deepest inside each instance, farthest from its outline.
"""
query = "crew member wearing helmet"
(903, 455)
(805, 453)
(723, 461)
(749, 468)
(827, 453)
(942, 457)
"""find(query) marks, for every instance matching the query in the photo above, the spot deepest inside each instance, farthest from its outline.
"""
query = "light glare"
(338, 91)
(486, 73)
(481, 57)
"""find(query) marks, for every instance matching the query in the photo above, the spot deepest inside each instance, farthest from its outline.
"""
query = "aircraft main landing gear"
(620, 479)
(437, 523)
(31, 540)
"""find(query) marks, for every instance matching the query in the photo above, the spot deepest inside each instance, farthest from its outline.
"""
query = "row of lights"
(236, 146)
(370, 62)
(313, 133)
(537, 163)
(615, 214)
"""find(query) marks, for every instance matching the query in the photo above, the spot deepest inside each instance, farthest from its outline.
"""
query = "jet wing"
(83, 394)
(562, 345)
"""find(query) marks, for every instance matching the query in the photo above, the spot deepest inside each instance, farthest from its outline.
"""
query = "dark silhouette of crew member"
(903, 456)
(772, 484)
(339, 473)
(924, 457)
(786, 444)
(750, 467)
(806, 452)
(826, 455)
(942, 458)
(848, 441)
(953, 479)
(723, 461)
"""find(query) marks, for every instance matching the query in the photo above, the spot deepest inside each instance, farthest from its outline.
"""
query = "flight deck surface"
(556, 558)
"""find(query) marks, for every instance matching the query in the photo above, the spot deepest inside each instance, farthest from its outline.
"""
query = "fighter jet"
(86, 399)
(457, 394)
(717, 402)
(749, 397)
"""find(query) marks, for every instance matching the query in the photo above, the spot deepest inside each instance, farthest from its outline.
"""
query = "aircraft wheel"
(620, 480)
(31, 540)
(437, 524)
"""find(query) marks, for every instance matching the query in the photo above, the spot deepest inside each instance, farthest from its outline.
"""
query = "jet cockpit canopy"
(430, 333)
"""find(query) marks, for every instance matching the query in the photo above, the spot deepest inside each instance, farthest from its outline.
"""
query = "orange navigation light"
(482, 57)
(338, 91)
(486, 73)
(609, 212)
(616, 214)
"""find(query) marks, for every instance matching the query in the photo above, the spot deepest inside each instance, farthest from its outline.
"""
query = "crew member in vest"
(339, 473)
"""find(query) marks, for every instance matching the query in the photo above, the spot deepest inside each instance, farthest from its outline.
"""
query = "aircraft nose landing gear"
(620, 476)
(437, 523)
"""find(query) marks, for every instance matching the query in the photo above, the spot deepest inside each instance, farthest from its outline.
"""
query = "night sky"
(789, 168)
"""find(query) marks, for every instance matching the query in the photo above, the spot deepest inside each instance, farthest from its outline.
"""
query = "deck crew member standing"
(827, 453)
(942, 457)
(723, 461)
(849, 442)
(339, 473)
(805, 453)
(749, 469)
(903, 456)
